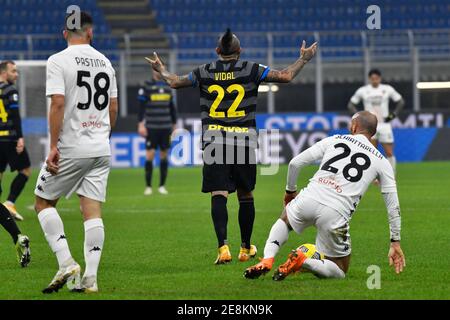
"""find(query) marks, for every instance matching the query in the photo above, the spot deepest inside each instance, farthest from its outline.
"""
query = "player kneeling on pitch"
(349, 164)
(82, 86)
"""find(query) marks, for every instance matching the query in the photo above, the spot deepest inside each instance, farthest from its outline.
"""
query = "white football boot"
(87, 285)
(148, 191)
(69, 271)
(163, 190)
(23, 250)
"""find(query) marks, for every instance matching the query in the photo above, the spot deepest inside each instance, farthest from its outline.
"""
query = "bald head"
(228, 44)
(364, 122)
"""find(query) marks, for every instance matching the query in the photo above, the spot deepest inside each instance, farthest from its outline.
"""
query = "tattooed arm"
(289, 74)
(173, 80)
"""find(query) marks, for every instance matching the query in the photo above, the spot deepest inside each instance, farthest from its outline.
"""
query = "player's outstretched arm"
(173, 80)
(289, 74)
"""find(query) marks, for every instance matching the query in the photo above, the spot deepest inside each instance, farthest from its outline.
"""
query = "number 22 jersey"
(228, 98)
(86, 78)
(349, 164)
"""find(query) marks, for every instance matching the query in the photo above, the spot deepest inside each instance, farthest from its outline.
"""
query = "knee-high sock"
(163, 167)
(246, 219)
(324, 268)
(93, 245)
(17, 186)
(148, 173)
(53, 228)
(393, 161)
(8, 223)
(219, 215)
(278, 236)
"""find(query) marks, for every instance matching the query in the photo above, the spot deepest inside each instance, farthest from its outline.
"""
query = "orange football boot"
(259, 269)
(293, 264)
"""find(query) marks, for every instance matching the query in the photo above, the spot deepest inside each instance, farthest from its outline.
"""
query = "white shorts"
(333, 237)
(87, 177)
(384, 133)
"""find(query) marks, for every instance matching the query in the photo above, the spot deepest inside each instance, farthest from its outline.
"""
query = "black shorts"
(158, 138)
(231, 176)
(9, 156)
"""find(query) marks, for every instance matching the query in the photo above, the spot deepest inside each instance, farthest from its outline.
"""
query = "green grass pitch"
(163, 247)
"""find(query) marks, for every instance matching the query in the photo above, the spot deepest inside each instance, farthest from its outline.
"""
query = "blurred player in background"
(82, 86)
(21, 241)
(157, 118)
(349, 164)
(12, 144)
(375, 97)
(228, 96)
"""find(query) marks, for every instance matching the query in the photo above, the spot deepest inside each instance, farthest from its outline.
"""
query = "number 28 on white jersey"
(349, 164)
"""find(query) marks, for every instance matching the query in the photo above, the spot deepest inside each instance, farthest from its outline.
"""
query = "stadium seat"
(298, 16)
(27, 17)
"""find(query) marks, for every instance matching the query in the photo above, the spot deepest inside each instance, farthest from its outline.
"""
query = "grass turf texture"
(163, 247)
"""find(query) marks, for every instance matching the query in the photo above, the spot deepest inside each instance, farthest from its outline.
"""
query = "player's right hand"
(156, 62)
(288, 197)
(396, 257)
(53, 161)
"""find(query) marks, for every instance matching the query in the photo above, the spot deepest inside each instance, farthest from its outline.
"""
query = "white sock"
(93, 245)
(393, 161)
(53, 228)
(278, 236)
(324, 268)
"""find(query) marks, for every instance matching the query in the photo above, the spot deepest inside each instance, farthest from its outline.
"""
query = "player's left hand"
(308, 53)
(20, 145)
(390, 117)
(155, 62)
(53, 161)
(396, 257)
(288, 197)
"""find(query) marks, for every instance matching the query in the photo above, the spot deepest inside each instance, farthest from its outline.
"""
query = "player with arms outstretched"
(228, 96)
(349, 164)
(82, 86)
(375, 97)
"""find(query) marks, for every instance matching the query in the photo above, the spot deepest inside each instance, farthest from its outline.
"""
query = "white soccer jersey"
(349, 164)
(376, 100)
(87, 80)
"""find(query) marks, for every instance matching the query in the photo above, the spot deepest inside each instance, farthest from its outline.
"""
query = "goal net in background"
(33, 108)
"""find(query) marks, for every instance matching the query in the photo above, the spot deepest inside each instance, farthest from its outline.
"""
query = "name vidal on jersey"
(372, 150)
(223, 76)
(89, 62)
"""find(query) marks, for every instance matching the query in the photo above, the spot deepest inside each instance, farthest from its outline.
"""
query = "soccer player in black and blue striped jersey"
(157, 118)
(12, 145)
(228, 96)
